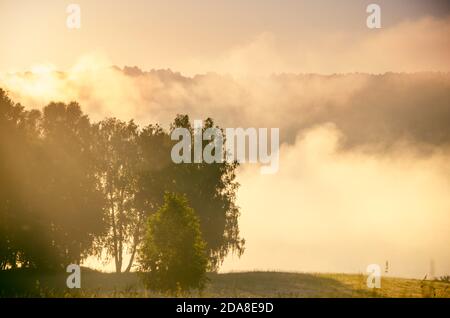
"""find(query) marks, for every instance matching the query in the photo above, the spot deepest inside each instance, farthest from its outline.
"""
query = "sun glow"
(41, 82)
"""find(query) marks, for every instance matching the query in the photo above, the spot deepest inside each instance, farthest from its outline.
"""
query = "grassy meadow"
(243, 284)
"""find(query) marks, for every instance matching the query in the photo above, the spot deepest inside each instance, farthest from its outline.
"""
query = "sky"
(198, 36)
(364, 175)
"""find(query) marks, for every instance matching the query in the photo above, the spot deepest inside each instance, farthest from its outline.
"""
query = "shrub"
(173, 256)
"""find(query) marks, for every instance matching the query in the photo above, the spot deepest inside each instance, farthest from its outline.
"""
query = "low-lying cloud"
(364, 175)
(333, 211)
(375, 112)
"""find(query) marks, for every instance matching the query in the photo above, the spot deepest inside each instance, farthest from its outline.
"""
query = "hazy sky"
(385, 198)
(197, 36)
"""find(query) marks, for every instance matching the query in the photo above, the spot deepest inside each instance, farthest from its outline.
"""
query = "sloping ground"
(249, 284)
(278, 284)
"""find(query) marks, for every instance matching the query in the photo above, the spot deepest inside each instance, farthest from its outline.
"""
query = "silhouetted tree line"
(70, 188)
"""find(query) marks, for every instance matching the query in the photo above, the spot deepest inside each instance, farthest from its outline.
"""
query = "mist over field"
(363, 115)
(364, 175)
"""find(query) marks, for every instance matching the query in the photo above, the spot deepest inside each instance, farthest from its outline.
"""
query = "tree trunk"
(133, 253)
(113, 223)
(135, 244)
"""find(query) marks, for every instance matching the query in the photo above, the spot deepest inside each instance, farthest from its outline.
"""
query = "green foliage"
(70, 188)
(173, 255)
(210, 189)
(444, 279)
(119, 161)
(50, 208)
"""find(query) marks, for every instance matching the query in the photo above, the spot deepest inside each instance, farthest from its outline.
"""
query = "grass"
(22, 283)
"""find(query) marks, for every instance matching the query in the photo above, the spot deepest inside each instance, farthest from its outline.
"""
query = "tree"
(13, 144)
(173, 256)
(66, 184)
(119, 158)
(210, 189)
(50, 208)
(71, 202)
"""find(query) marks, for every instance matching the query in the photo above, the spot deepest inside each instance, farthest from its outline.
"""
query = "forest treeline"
(71, 188)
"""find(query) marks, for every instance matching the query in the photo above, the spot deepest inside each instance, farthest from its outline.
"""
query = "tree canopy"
(70, 188)
(173, 256)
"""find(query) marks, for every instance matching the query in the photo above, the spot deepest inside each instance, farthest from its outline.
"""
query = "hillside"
(246, 284)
